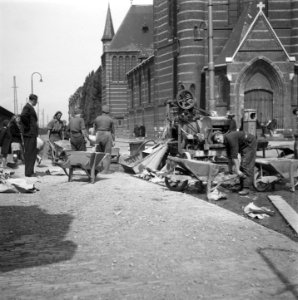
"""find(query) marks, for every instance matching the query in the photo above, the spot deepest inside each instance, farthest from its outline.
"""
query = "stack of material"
(150, 158)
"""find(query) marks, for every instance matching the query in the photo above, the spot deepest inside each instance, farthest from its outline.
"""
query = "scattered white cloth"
(17, 185)
(216, 195)
(256, 212)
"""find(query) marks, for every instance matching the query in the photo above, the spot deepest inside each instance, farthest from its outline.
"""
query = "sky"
(58, 40)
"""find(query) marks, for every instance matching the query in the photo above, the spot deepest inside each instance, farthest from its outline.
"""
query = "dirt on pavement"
(126, 238)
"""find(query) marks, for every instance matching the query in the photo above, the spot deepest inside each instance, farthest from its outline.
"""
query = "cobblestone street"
(125, 238)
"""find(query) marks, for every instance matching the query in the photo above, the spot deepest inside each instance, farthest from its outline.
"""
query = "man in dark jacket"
(5, 141)
(246, 145)
(30, 124)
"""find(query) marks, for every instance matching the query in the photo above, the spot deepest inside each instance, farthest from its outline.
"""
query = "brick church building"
(255, 60)
(122, 51)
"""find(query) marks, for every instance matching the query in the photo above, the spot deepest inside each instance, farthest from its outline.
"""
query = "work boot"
(244, 192)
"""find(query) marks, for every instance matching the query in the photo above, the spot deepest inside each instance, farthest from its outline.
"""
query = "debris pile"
(14, 185)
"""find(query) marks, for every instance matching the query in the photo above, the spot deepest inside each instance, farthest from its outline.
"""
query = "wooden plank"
(286, 211)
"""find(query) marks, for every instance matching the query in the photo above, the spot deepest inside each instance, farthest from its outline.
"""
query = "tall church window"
(149, 84)
(140, 88)
(127, 64)
(223, 92)
(234, 11)
(132, 91)
(266, 9)
(114, 69)
(121, 68)
(133, 61)
(170, 12)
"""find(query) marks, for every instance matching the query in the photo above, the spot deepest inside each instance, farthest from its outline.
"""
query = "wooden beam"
(286, 211)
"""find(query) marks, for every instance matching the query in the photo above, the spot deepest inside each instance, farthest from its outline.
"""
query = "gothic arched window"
(114, 69)
(121, 68)
(149, 84)
(127, 64)
(140, 88)
(223, 96)
(133, 61)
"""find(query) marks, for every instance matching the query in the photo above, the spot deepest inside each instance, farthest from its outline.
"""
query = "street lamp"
(32, 91)
(32, 80)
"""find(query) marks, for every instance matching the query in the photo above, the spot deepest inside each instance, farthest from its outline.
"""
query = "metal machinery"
(192, 151)
(192, 129)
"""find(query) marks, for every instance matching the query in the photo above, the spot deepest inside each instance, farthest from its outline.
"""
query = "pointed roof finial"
(108, 33)
(261, 5)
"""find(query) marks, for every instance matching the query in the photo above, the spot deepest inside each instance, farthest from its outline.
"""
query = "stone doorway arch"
(260, 83)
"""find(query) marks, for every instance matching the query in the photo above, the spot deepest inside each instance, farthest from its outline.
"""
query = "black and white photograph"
(149, 149)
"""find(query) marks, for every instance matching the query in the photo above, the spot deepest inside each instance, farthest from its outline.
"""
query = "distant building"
(255, 47)
(122, 51)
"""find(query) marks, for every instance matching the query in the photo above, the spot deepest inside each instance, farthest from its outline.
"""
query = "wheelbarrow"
(268, 171)
(58, 149)
(89, 162)
(180, 170)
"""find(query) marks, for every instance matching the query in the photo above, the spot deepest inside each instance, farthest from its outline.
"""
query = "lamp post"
(40, 79)
(212, 102)
(32, 80)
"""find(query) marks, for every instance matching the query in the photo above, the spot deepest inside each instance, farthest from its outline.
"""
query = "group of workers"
(236, 142)
(77, 134)
(23, 129)
(104, 129)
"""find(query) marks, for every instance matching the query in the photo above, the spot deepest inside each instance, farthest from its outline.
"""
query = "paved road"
(125, 238)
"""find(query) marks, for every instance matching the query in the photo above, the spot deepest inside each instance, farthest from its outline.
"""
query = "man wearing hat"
(30, 124)
(78, 133)
(105, 134)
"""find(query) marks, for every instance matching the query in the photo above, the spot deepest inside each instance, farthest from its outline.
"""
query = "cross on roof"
(261, 5)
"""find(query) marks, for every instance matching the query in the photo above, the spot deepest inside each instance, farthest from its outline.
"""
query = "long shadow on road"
(31, 237)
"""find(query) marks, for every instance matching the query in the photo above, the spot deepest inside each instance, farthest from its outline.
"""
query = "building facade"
(255, 60)
(122, 51)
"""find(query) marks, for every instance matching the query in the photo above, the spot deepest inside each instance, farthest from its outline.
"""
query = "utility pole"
(43, 118)
(15, 96)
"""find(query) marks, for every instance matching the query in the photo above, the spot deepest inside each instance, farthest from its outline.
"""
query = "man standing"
(5, 141)
(105, 135)
(245, 144)
(30, 124)
(78, 134)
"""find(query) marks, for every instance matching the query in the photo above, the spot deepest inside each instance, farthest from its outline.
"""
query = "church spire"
(109, 28)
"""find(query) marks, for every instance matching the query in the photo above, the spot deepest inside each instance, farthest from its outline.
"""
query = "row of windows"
(137, 86)
(121, 65)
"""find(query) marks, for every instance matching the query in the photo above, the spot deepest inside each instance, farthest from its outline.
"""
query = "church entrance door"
(262, 101)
